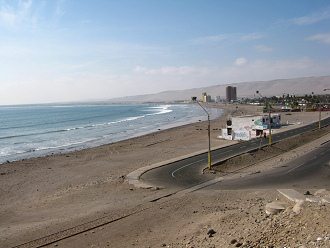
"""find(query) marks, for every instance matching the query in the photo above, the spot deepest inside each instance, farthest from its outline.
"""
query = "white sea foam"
(163, 109)
(64, 145)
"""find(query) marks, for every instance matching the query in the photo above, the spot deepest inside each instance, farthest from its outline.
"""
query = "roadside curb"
(133, 177)
(292, 195)
(297, 197)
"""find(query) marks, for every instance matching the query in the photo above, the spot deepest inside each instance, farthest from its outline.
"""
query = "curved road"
(311, 170)
(187, 173)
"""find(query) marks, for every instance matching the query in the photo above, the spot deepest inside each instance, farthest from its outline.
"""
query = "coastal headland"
(42, 196)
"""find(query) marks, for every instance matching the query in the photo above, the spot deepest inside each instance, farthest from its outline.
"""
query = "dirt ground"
(238, 219)
(43, 195)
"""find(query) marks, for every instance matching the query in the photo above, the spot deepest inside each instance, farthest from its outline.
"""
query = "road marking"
(294, 168)
(186, 166)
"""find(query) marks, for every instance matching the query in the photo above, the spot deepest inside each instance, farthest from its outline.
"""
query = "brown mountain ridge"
(278, 87)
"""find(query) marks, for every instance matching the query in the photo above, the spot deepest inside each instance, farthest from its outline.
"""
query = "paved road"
(187, 173)
(309, 171)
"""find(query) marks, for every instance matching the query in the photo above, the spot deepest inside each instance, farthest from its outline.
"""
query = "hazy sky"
(69, 50)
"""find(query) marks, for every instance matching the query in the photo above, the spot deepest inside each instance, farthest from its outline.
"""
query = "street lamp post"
(209, 159)
(269, 118)
(320, 111)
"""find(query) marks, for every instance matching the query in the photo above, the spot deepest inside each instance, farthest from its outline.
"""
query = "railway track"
(98, 222)
(106, 220)
(78, 229)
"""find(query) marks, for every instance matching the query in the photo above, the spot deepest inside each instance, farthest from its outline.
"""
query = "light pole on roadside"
(269, 118)
(209, 158)
(320, 111)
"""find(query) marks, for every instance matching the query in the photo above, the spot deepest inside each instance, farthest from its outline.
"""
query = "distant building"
(231, 94)
(249, 127)
(206, 97)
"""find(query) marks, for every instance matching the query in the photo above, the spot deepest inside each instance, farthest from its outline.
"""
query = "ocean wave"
(163, 109)
(73, 128)
(63, 145)
(11, 152)
(32, 134)
(53, 122)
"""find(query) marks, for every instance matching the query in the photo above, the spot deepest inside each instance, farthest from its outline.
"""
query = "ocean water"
(36, 130)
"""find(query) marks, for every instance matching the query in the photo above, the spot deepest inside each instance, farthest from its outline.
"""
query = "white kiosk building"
(249, 127)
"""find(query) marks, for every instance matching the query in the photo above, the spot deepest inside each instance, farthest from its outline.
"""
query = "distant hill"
(278, 87)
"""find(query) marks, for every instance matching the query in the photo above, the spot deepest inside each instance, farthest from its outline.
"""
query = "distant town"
(283, 103)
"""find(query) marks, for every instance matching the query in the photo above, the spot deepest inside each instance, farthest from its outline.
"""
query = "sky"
(69, 50)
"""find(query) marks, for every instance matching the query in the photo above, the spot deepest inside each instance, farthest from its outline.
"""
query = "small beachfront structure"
(249, 126)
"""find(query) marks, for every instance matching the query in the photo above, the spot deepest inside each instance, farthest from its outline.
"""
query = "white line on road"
(294, 168)
(186, 166)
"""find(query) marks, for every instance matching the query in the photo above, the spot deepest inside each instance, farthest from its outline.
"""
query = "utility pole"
(269, 118)
(320, 110)
(209, 158)
(270, 125)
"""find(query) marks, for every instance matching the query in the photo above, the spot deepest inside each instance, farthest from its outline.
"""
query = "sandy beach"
(40, 196)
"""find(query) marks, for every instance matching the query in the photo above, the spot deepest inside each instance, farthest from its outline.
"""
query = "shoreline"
(34, 154)
(44, 195)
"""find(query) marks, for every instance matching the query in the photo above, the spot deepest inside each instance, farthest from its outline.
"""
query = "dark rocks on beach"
(307, 193)
(210, 232)
(233, 241)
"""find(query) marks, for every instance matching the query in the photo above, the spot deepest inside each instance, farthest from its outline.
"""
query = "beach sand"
(40, 196)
